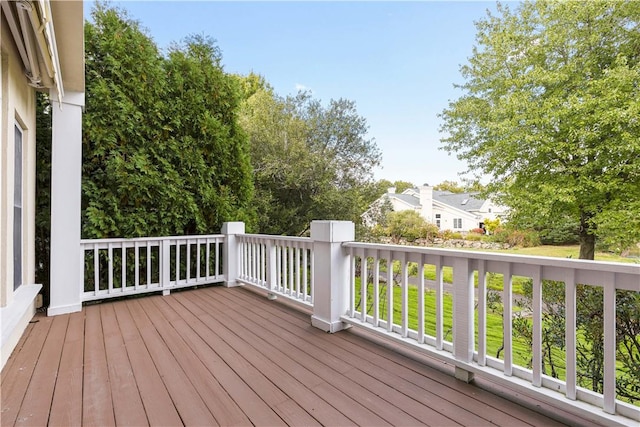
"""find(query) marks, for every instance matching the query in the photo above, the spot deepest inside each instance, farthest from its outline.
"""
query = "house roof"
(465, 201)
(68, 21)
(407, 198)
(468, 202)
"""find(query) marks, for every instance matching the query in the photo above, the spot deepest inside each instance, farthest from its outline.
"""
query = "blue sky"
(397, 60)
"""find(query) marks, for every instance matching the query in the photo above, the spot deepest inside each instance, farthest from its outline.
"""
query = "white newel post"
(66, 188)
(463, 333)
(331, 273)
(231, 253)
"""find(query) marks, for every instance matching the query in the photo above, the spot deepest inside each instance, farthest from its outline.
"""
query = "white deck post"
(331, 273)
(463, 316)
(66, 189)
(231, 252)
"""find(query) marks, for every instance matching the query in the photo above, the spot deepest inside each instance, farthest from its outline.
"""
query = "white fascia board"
(464, 213)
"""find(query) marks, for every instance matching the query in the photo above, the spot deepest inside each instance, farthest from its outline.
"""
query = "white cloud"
(300, 86)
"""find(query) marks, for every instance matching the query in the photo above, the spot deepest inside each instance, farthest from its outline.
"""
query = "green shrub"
(474, 237)
(522, 238)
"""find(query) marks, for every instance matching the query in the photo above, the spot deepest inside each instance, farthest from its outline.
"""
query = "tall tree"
(451, 186)
(310, 161)
(212, 150)
(161, 151)
(550, 110)
(43, 192)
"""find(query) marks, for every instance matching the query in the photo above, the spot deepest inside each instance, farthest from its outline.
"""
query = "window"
(438, 220)
(438, 216)
(17, 209)
(489, 210)
(457, 223)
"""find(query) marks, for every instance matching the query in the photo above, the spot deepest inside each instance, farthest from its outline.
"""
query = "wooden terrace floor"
(218, 356)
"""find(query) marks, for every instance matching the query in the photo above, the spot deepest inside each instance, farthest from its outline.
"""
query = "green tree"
(550, 110)
(451, 186)
(43, 193)
(408, 225)
(211, 149)
(161, 151)
(310, 161)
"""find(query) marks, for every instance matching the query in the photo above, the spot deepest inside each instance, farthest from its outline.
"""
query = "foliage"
(383, 186)
(471, 185)
(477, 231)
(620, 229)
(376, 221)
(162, 153)
(550, 111)
(491, 225)
(451, 186)
(409, 225)
(590, 345)
(310, 161)
(514, 237)
(474, 237)
(43, 192)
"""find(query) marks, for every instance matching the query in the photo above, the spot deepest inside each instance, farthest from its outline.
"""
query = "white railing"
(324, 274)
(281, 265)
(119, 267)
(467, 348)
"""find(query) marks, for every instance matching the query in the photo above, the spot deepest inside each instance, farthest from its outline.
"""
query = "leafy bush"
(474, 237)
(478, 231)
(522, 238)
(408, 225)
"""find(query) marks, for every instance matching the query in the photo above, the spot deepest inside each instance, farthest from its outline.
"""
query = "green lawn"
(521, 351)
(569, 251)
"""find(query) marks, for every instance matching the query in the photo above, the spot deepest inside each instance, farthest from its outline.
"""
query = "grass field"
(521, 349)
(569, 251)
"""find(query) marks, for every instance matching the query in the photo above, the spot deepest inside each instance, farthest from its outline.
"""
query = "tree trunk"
(587, 237)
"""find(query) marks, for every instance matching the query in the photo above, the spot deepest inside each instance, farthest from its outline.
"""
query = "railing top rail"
(602, 266)
(274, 237)
(149, 239)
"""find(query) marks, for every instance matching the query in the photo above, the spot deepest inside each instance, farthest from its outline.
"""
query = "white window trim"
(18, 203)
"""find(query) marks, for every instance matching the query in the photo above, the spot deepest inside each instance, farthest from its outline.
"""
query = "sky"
(398, 61)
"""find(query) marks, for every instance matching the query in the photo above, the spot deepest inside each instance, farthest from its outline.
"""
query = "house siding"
(17, 107)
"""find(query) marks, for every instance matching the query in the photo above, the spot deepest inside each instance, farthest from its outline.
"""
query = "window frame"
(18, 205)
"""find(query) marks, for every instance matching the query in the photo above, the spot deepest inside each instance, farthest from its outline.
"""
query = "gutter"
(34, 37)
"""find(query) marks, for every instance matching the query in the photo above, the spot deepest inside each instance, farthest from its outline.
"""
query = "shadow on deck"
(219, 356)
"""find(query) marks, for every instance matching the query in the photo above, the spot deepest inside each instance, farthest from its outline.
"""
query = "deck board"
(127, 404)
(43, 380)
(97, 406)
(68, 390)
(218, 356)
(16, 377)
(156, 399)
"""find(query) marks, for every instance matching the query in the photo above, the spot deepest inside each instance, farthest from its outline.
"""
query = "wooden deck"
(218, 356)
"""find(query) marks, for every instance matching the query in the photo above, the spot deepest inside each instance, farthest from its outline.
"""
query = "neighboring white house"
(449, 211)
(41, 48)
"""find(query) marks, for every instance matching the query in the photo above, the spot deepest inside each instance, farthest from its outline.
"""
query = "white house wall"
(490, 210)
(447, 216)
